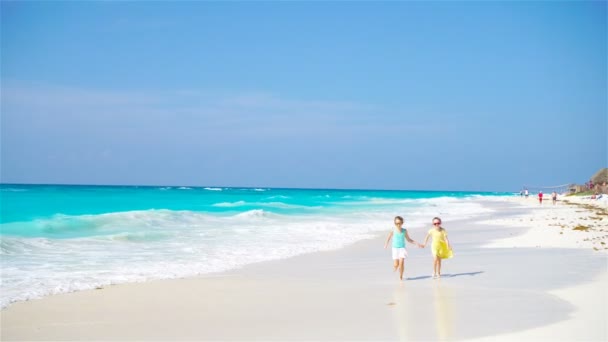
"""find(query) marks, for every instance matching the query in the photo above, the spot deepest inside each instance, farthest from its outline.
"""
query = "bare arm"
(407, 237)
(448, 241)
(426, 240)
(388, 239)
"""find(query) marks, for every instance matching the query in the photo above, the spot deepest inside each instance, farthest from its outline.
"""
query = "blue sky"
(392, 95)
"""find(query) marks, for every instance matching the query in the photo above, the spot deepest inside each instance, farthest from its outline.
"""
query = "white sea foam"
(214, 189)
(230, 204)
(260, 204)
(278, 197)
(13, 189)
(255, 213)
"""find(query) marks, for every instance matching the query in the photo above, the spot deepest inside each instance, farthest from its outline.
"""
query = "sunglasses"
(436, 223)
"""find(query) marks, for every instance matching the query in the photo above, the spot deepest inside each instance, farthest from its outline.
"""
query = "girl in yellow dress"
(441, 246)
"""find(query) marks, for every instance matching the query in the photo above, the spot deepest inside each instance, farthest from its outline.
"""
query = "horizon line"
(251, 187)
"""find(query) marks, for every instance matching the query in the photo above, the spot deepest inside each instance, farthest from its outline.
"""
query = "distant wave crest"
(260, 204)
(230, 204)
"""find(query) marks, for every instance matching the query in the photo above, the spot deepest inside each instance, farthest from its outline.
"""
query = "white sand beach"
(574, 222)
(519, 273)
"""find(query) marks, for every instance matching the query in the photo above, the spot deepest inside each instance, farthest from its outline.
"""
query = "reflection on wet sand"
(433, 306)
(402, 309)
(442, 300)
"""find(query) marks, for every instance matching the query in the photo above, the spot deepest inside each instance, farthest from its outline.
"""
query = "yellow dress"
(440, 244)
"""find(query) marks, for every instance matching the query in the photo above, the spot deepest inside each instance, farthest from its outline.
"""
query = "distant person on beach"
(440, 247)
(526, 193)
(399, 235)
(554, 197)
(540, 197)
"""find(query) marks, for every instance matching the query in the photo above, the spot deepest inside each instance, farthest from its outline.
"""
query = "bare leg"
(438, 267)
(401, 267)
(395, 264)
(434, 266)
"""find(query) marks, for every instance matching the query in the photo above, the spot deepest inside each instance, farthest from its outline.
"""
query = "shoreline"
(344, 294)
(86, 251)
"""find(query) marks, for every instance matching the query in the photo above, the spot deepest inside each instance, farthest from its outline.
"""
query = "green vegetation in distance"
(584, 193)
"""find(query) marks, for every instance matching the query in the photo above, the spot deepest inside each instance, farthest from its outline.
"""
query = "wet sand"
(351, 294)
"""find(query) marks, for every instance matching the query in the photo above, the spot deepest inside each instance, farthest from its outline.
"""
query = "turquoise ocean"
(58, 238)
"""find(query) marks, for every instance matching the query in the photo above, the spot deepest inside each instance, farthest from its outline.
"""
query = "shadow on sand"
(447, 275)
